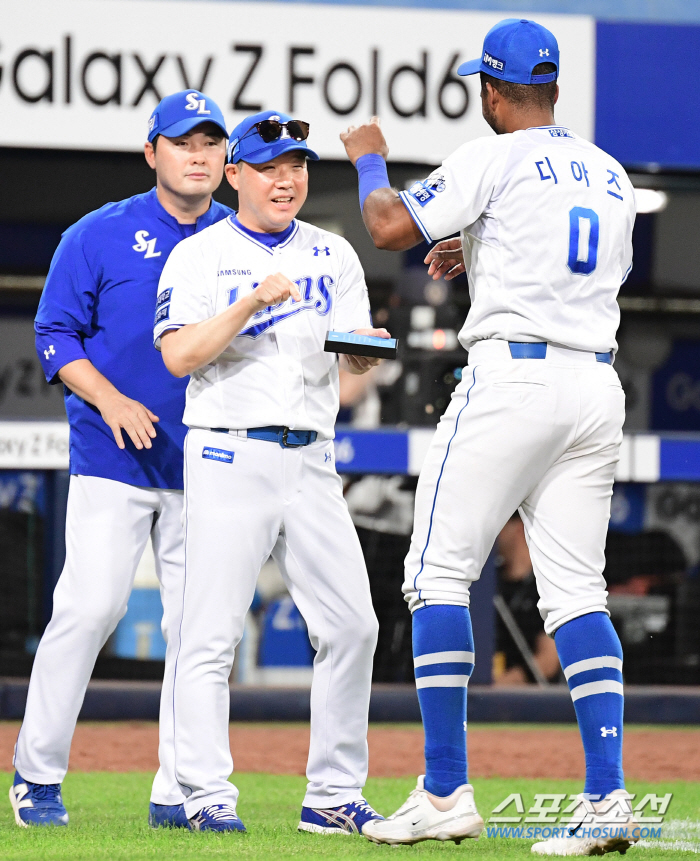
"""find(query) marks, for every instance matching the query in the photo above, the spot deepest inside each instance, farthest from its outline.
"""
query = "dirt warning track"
(395, 751)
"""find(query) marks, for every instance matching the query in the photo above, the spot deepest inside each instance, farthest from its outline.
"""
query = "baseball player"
(244, 308)
(94, 334)
(545, 221)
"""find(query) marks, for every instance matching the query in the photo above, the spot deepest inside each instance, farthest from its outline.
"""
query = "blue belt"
(538, 350)
(284, 436)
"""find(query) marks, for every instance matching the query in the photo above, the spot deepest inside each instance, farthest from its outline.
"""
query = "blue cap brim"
(276, 148)
(184, 126)
(471, 67)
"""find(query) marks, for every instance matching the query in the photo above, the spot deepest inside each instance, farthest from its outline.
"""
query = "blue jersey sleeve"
(57, 345)
(65, 314)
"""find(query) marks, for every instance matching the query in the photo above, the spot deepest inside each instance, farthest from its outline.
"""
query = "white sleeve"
(627, 254)
(351, 307)
(183, 296)
(458, 192)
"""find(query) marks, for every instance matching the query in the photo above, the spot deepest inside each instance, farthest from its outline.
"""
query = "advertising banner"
(86, 74)
(23, 390)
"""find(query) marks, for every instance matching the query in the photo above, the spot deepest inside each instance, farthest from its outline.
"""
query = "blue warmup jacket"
(98, 304)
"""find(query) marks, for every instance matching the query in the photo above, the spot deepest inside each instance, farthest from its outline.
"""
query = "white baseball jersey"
(275, 371)
(546, 225)
(246, 499)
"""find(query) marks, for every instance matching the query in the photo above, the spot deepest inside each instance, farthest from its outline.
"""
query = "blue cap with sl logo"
(512, 49)
(246, 144)
(178, 114)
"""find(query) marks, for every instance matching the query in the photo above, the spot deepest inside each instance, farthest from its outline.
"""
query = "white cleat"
(427, 817)
(596, 828)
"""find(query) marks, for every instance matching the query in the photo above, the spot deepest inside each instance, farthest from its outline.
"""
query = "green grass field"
(108, 821)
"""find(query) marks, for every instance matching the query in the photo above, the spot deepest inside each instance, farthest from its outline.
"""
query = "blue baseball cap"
(512, 49)
(178, 114)
(245, 143)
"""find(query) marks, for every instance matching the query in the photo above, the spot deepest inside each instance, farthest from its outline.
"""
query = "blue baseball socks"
(443, 657)
(591, 657)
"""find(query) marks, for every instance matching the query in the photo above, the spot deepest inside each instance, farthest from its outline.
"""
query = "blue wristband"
(372, 174)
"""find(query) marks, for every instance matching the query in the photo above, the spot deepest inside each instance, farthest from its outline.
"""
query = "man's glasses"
(271, 130)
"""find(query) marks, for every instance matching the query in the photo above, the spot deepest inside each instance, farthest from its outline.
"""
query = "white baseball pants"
(541, 435)
(253, 500)
(107, 526)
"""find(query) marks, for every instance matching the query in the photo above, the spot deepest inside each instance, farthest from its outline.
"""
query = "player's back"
(546, 257)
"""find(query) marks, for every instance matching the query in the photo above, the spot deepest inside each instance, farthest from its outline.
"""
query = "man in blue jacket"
(94, 334)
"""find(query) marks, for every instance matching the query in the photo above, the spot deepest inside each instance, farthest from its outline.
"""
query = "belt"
(538, 350)
(284, 436)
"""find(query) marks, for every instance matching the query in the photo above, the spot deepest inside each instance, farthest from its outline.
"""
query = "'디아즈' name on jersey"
(546, 169)
(315, 296)
(219, 454)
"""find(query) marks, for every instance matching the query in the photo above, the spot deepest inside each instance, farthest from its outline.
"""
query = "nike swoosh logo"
(572, 831)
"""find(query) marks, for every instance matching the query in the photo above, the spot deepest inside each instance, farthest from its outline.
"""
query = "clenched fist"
(362, 140)
(274, 290)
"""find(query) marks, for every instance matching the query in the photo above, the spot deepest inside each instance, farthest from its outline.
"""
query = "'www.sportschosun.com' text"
(530, 832)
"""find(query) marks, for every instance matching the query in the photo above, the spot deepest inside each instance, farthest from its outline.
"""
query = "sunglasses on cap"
(271, 130)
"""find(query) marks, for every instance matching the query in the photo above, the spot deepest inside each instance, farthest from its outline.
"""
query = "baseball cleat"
(37, 803)
(216, 817)
(168, 816)
(596, 827)
(427, 817)
(345, 819)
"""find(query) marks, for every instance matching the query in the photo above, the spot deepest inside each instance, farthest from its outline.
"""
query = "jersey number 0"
(583, 240)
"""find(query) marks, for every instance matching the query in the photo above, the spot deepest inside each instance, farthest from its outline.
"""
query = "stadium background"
(78, 79)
